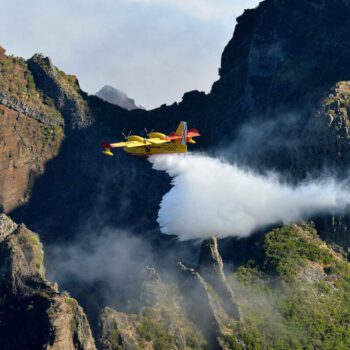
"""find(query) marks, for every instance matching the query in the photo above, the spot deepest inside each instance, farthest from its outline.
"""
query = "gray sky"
(154, 50)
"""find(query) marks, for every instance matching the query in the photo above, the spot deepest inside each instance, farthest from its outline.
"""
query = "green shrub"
(290, 247)
(293, 312)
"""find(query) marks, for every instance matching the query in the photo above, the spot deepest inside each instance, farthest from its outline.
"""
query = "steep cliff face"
(31, 131)
(31, 305)
(327, 135)
(282, 55)
(25, 146)
(209, 285)
(211, 267)
(281, 62)
(63, 89)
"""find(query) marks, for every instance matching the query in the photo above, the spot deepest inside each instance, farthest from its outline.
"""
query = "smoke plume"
(211, 197)
(109, 262)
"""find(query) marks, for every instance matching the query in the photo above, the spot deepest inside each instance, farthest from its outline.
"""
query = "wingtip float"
(155, 143)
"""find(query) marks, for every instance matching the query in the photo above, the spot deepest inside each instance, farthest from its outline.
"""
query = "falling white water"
(211, 197)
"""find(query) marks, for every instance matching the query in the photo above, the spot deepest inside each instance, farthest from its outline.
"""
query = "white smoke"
(211, 197)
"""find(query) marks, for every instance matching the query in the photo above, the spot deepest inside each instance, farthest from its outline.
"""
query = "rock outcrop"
(326, 135)
(63, 90)
(211, 267)
(33, 313)
(117, 97)
(161, 322)
(201, 304)
(152, 290)
(117, 331)
(208, 284)
(31, 132)
(22, 108)
(26, 144)
(273, 65)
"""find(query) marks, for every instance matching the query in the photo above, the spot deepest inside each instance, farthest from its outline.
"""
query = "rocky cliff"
(31, 131)
(33, 313)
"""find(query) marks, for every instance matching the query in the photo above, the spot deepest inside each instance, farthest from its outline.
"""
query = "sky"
(153, 50)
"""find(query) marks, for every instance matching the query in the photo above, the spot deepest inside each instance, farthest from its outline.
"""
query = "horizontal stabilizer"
(119, 144)
(107, 149)
(191, 133)
(107, 152)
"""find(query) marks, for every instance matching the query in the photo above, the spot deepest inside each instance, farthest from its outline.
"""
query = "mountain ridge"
(113, 95)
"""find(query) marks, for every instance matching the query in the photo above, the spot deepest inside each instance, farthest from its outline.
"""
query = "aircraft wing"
(131, 144)
(115, 145)
(128, 144)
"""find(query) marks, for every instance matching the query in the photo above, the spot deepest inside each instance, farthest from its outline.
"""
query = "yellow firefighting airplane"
(156, 143)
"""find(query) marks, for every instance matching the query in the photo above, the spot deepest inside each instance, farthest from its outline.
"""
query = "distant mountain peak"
(117, 97)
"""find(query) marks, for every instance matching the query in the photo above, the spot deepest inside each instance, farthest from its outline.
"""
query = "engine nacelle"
(154, 135)
(136, 138)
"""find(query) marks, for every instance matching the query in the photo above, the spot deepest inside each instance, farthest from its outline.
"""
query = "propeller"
(146, 131)
(126, 137)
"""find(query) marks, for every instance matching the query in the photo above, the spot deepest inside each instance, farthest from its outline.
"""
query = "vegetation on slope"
(17, 81)
(299, 298)
(162, 324)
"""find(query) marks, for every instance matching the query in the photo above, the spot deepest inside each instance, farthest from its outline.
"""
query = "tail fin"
(182, 131)
(107, 149)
